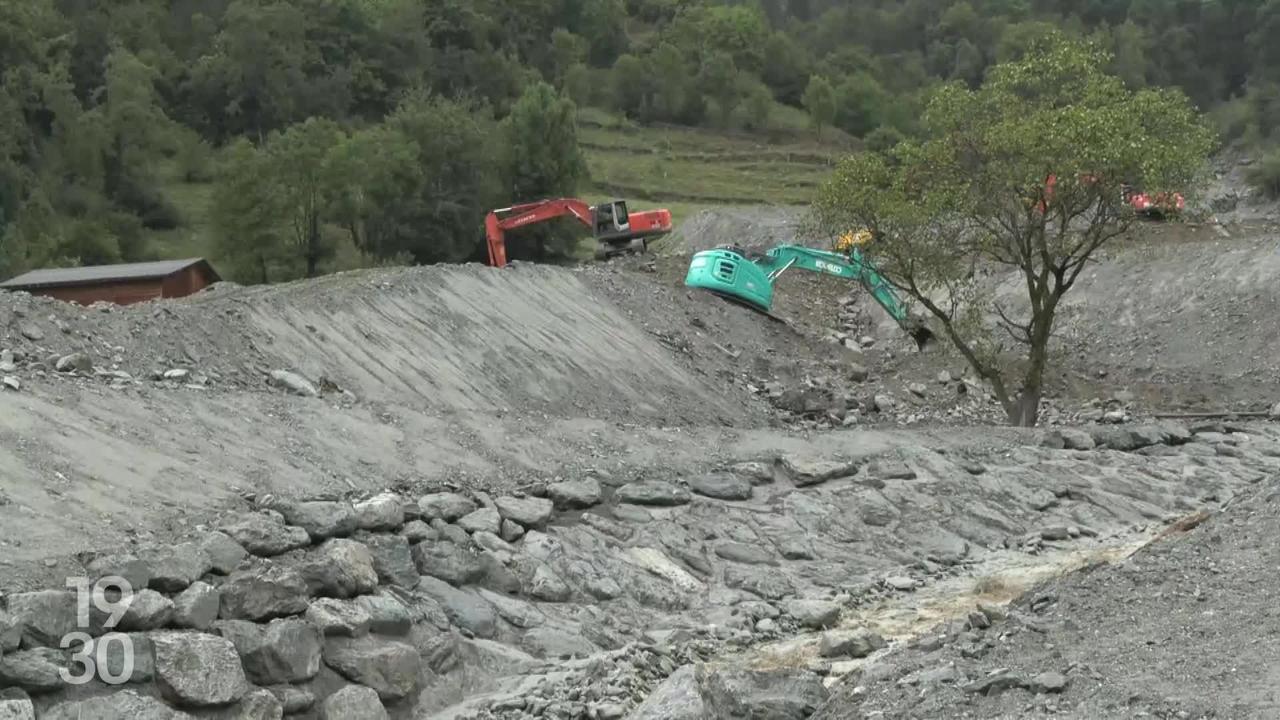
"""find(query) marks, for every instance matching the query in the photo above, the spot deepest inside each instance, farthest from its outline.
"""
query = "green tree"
(758, 106)
(630, 85)
(544, 159)
(247, 209)
(299, 163)
(974, 192)
(377, 179)
(861, 104)
(461, 171)
(719, 80)
(567, 50)
(820, 102)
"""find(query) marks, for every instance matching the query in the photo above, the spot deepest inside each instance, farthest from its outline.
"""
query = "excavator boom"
(728, 272)
(614, 229)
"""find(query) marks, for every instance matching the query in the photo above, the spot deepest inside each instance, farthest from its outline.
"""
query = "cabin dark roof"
(102, 274)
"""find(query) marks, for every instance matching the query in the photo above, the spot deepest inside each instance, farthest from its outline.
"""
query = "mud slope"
(528, 339)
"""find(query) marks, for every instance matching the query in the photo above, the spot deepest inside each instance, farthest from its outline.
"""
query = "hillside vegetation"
(286, 138)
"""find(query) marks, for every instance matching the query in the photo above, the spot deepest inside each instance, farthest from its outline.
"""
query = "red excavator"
(615, 230)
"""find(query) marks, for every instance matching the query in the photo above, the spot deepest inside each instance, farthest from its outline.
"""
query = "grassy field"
(682, 169)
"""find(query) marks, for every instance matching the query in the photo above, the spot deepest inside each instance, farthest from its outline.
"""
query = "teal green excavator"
(727, 272)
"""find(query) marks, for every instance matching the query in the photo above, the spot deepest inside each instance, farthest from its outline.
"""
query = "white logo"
(110, 596)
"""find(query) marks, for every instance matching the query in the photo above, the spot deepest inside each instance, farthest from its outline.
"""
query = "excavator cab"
(611, 220)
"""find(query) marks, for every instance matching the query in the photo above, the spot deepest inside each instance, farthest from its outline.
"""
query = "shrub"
(1264, 175)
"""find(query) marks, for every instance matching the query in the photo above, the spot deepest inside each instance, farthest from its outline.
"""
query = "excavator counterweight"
(615, 230)
(727, 272)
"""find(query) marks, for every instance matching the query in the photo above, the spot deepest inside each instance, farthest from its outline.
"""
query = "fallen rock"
(464, 608)
(198, 670)
(392, 559)
(849, 643)
(1048, 682)
(263, 535)
(31, 331)
(448, 561)
(321, 519)
(387, 614)
(264, 593)
(147, 610)
(36, 671)
(9, 382)
(353, 702)
(390, 668)
(343, 618)
(1068, 439)
(285, 651)
(511, 531)
(747, 554)
(445, 506)
(757, 473)
(529, 512)
(653, 492)
(14, 708)
(339, 568)
(225, 554)
(133, 570)
(805, 472)
(259, 704)
(814, 614)
(46, 616)
(548, 642)
(293, 382)
(119, 705)
(722, 486)
(547, 585)
(768, 584)
(294, 700)
(574, 494)
(890, 469)
(995, 683)
(482, 520)
(175, 567)
(134, 649)
(746, 693)
(679, 697)
(384, 511)
(75, 362)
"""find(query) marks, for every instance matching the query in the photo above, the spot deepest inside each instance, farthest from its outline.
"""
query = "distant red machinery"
(1155, 206)
(615, 230)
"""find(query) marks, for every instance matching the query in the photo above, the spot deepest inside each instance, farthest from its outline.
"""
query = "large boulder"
(225, 554)
(17, 708)
(812, 471)
(445, 506)
(353, 702)
(46, 616)
(119, 705)
(344, 618)
(259, 704)
(653, 492)
(389, 667)
(464, 608)
(339, 568)
(130, 568)
(814, 614)
(321, 519)
(174, 567)
(147, 610)
(679, 697)
(722, 486)
(197, 607)
(574, 494)
(455, 564)
(530, 512)
(387, 614)
(36, 671)
(284, 651)
(263, 593)
(773, 694)
(380, 512)
(392, 559)
(198, 670)
(264, 535)
(849, 643)
(482, 520)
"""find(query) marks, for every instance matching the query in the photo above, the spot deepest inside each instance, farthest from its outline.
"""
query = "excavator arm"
(727, 272)
(614, 228)
(498, 222)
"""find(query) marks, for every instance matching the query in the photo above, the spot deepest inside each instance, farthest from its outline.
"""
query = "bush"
(883, 138)
(1264, 175)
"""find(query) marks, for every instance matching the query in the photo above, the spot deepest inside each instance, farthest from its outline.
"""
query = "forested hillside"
(290, 137)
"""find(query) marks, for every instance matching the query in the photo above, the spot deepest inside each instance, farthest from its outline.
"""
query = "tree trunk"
(1024, 411)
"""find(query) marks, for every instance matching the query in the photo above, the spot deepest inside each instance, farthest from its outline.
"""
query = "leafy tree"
(758, 106)
(820, 101)
(567, 50)
(545, 160)
(246, 215)
(298, 161)
(719, 81)
(630, 85)
(377, 179)
(974, 192)
(461, 178)
(861, 104)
